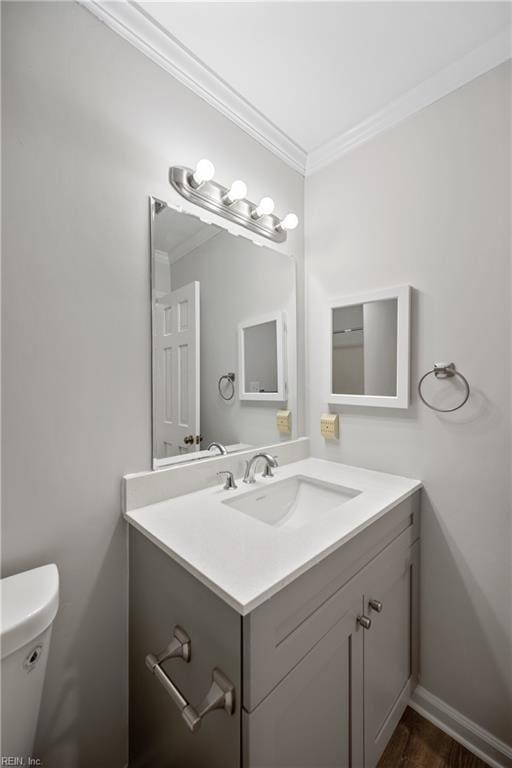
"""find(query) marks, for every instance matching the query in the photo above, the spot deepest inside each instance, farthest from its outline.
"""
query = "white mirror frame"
(280, 395)
(403, 295)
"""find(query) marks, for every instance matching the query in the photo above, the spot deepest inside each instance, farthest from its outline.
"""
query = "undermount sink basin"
(293, 502)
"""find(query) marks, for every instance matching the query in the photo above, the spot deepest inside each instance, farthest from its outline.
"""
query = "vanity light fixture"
(205, 171)
(289, 222)
(198, 187)
(236, 192)
(265, 208)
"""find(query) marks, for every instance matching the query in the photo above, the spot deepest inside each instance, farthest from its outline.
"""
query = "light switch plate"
(284, 422)
(330, 426)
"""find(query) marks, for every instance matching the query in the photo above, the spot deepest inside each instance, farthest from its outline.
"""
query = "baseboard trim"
(479, 741)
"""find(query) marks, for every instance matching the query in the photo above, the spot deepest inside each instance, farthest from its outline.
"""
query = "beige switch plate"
(284, 422)
(330, 426)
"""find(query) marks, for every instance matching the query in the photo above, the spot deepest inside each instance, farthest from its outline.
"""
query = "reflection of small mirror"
(260, 344)
(369, 349)
(261, 363)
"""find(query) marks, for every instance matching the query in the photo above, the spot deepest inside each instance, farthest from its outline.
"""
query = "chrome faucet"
(250, 469)
(220, 447)
(229, 483)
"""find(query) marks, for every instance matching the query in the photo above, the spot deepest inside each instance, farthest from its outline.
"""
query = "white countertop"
(245, 561)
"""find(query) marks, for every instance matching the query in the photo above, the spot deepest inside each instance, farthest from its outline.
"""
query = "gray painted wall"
(90, 128)
(427, 203)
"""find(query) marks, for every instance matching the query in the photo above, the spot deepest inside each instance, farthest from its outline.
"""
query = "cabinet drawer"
(278, 634)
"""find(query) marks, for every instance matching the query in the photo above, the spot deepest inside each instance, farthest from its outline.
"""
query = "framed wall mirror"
(369, 337)
(221, 357)
(261, 358)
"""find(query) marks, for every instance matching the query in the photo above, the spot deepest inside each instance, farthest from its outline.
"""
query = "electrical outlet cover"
(330, 426)
(284, 422)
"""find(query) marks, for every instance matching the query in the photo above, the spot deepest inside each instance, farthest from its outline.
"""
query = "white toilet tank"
(29, 603)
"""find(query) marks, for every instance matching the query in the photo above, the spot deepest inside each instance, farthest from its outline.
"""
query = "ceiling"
(313, 77)
(174, 235)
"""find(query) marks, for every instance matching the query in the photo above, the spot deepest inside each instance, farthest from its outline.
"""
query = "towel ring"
(230, 378)
(444, 371)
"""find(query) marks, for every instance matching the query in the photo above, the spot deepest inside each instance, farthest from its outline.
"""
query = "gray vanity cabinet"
(314, 687)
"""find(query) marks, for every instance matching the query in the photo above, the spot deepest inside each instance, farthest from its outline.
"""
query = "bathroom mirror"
(223, 338)
(369, 349)
(260, 354)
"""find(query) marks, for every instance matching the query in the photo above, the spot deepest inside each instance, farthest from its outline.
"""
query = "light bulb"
(237, 191)
(265, 208)
(289, 222)
(205, 171)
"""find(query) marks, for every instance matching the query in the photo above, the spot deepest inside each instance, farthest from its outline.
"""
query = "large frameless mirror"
(223, 338)
(369, 349)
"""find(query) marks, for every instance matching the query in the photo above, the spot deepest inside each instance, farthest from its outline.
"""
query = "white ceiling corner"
(472, 65)
(384, 62)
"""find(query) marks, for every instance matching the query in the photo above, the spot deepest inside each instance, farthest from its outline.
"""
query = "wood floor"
(416, 743)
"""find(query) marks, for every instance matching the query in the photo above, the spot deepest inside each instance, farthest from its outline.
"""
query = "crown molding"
(191, 243)
(482, 59)
(129, 21)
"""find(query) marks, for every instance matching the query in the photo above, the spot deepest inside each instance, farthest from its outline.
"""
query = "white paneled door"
(176, 351)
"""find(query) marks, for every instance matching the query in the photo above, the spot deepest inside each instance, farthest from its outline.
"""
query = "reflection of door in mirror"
(260, 358)
(176, 370)
(364, 348)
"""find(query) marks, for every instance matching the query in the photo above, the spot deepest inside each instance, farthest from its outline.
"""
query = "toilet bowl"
(29, 603)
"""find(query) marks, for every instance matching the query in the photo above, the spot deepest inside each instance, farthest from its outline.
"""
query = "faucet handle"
(229, 484)
(267, 472)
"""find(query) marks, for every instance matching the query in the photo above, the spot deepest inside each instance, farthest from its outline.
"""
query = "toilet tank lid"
(29, 603)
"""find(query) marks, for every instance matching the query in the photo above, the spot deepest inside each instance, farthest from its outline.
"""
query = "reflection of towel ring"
(230, 378)
(444, 371)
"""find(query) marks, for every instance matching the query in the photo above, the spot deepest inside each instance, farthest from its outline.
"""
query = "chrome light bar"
(216, 198)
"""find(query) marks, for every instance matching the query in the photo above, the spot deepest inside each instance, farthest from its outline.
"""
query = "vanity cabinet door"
(314, 718)
(389, 644)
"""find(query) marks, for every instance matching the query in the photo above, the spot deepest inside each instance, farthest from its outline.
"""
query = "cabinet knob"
(364, 622)
(375, 605)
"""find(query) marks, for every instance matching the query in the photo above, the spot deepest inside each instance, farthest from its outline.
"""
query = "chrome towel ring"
(230, 379)
(444, 371)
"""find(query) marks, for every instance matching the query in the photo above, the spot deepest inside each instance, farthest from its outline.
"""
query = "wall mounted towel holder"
(229, 378)
(444, 371)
